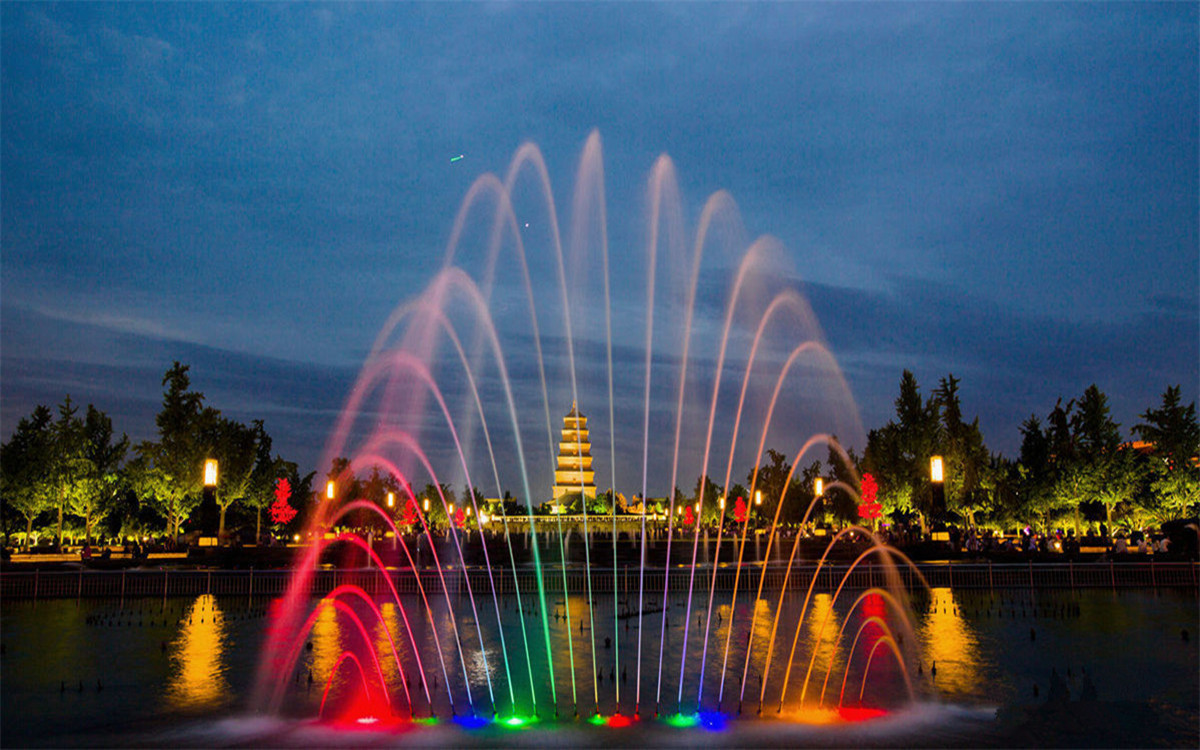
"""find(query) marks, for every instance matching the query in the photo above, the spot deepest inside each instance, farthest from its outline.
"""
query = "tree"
(869, 510)
(1173, 430)
(1116, 478)
(842, 505)
(808, 489)
(236, 448)
(1084, 440)
(25, 481)
(431, 505)
(260, 494)
(770, 479)
(168, 473)
(963, 453)
(409, 517)
(898, 453)
(472, 493)
(1000, 480)
(281, 511)
(710, 509)
(739, 510)
(1095, 433)
(67, 464)
(98, 481)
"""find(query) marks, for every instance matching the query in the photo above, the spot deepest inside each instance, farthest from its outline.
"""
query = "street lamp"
(938, 488)
(329, 490)
(758, 497)
(207, 511)
(426, 504)
(818, 487)
(391, 499)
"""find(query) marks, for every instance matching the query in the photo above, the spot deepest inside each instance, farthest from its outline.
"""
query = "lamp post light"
(818, 487)
(758, 497)
(210, 483)
(391, 499)
(937, 477)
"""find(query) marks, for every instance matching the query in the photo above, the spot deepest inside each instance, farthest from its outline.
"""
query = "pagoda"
(574, 472)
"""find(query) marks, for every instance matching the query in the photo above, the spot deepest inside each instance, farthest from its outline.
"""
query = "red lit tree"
(739, 511)
(460, 519)
(410, 517)
(688, 517)
(869, 509)
(281, 511)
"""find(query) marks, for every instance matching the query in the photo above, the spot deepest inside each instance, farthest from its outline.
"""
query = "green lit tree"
(98, 479)
(964, 455)
(168, 473)
(26, 484)
(1174, 471)
(710, 499)
(235, 446)
(898, 453)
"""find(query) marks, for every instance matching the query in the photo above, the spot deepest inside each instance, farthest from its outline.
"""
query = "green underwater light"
(681, 720)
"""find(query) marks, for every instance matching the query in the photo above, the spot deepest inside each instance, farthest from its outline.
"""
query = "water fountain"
(530, 635)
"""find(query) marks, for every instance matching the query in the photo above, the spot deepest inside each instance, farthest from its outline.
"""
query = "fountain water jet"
(402, 377)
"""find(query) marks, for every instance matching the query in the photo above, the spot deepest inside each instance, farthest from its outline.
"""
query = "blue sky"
(1005, 191)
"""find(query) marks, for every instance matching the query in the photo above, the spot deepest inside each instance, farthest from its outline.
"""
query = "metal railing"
(92, 584)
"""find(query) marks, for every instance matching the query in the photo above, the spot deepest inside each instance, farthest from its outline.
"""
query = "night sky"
(1004, 191)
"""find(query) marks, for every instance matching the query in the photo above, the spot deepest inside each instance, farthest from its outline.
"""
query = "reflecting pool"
(179, 671)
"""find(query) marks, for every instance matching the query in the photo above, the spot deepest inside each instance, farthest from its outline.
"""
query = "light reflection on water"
(950, 642)
(197, 680)
(1130, 642)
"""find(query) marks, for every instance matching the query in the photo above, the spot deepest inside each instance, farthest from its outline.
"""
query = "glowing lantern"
(935, 469)
(210, 472)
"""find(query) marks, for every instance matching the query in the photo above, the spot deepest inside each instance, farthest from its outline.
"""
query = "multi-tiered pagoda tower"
(574, 472)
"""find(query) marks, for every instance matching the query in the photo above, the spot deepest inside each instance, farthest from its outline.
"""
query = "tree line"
(75, 470)
(72, 473)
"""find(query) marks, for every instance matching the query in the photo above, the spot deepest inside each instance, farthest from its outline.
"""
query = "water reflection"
(948, 640)
(327, 646)
(197, 679)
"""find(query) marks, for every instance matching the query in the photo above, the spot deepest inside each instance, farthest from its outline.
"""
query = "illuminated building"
(574, 471)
